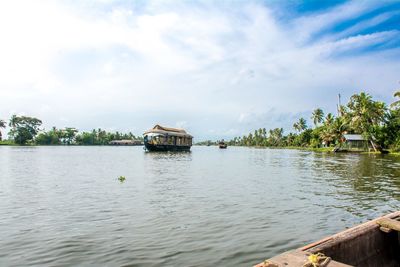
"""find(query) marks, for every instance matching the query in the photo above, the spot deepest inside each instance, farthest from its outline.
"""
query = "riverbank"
(324, 149)
(11, 143)
(313, 149)
(7, 143)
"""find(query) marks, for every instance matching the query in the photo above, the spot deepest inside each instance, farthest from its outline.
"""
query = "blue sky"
(217, 68)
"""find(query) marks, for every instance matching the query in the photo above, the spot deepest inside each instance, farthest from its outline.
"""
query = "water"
(64, 206)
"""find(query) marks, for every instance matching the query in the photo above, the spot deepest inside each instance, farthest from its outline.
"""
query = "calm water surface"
(63, 206)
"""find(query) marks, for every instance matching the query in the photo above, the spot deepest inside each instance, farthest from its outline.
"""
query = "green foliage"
(2, 125)
(388, 135)
(69, 136)
(7, 143)
(23, 128)
(101, 137)
(361, 115)
(122, 179)
(317, 116)
(275, 137)
(301, 125)
(208, 143)
(396, 104)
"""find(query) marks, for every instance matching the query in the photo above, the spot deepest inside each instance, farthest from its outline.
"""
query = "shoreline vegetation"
(377, 122)
(25, 130)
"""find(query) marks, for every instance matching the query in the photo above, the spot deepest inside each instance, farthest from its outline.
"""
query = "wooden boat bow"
(375, 243)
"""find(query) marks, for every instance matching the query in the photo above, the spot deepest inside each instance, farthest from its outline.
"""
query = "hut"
(127, 142)
(355, 142)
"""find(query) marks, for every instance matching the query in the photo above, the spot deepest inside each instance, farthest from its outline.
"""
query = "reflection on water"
(63, 206)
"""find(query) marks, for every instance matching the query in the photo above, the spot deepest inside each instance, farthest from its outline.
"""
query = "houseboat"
(375, 243)
(161, 138)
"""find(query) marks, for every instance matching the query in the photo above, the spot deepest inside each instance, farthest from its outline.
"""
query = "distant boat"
(222, 144)
(161, 138)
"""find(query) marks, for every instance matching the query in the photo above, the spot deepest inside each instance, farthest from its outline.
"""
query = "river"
(64, 206)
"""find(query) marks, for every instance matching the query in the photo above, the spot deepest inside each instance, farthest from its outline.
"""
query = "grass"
(394, 152)
(7, 143)
(315, 149)
(325, 149)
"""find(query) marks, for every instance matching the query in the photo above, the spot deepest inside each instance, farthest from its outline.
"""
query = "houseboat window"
(154, 138)
(170, 140)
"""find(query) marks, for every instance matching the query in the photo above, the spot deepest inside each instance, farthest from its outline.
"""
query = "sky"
(219, 69)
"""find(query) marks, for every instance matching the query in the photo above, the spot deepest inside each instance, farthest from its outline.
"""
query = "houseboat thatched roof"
(168, 130)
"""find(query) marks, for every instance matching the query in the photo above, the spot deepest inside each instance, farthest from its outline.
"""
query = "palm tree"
(296, 126)
(301, 125)
(327, 136)
(338, 128)
(2, 125)
(329, 119)
(13, 124)
(396, 104)
(317, 116)
(275, 136)
(13, 121)
(363, 113)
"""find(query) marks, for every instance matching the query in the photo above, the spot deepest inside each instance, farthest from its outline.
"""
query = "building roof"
(123, 141)
(354, 137)
(168, 130)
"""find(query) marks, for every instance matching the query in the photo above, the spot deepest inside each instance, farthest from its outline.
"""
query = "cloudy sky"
(217, 68)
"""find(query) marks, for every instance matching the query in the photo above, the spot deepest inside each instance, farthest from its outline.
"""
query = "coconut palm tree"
(317, 116)
(363, 113)
(301, 125)
(396, 104)
(338, 128)
(2, 125)
(329, 119)
(327, 136)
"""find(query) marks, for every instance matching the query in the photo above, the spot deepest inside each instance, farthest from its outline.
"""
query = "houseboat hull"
(372, 244)
(160, 148)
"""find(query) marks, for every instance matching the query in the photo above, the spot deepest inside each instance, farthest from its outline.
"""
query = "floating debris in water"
(121, 179)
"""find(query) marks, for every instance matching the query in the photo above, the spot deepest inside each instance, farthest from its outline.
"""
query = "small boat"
(372, 244)
(222, 144)
(161, 138)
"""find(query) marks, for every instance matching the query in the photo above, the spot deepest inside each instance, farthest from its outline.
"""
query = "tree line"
(26, 130)
(374, 120)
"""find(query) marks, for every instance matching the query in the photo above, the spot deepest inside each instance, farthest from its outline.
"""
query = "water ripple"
(63, 206)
